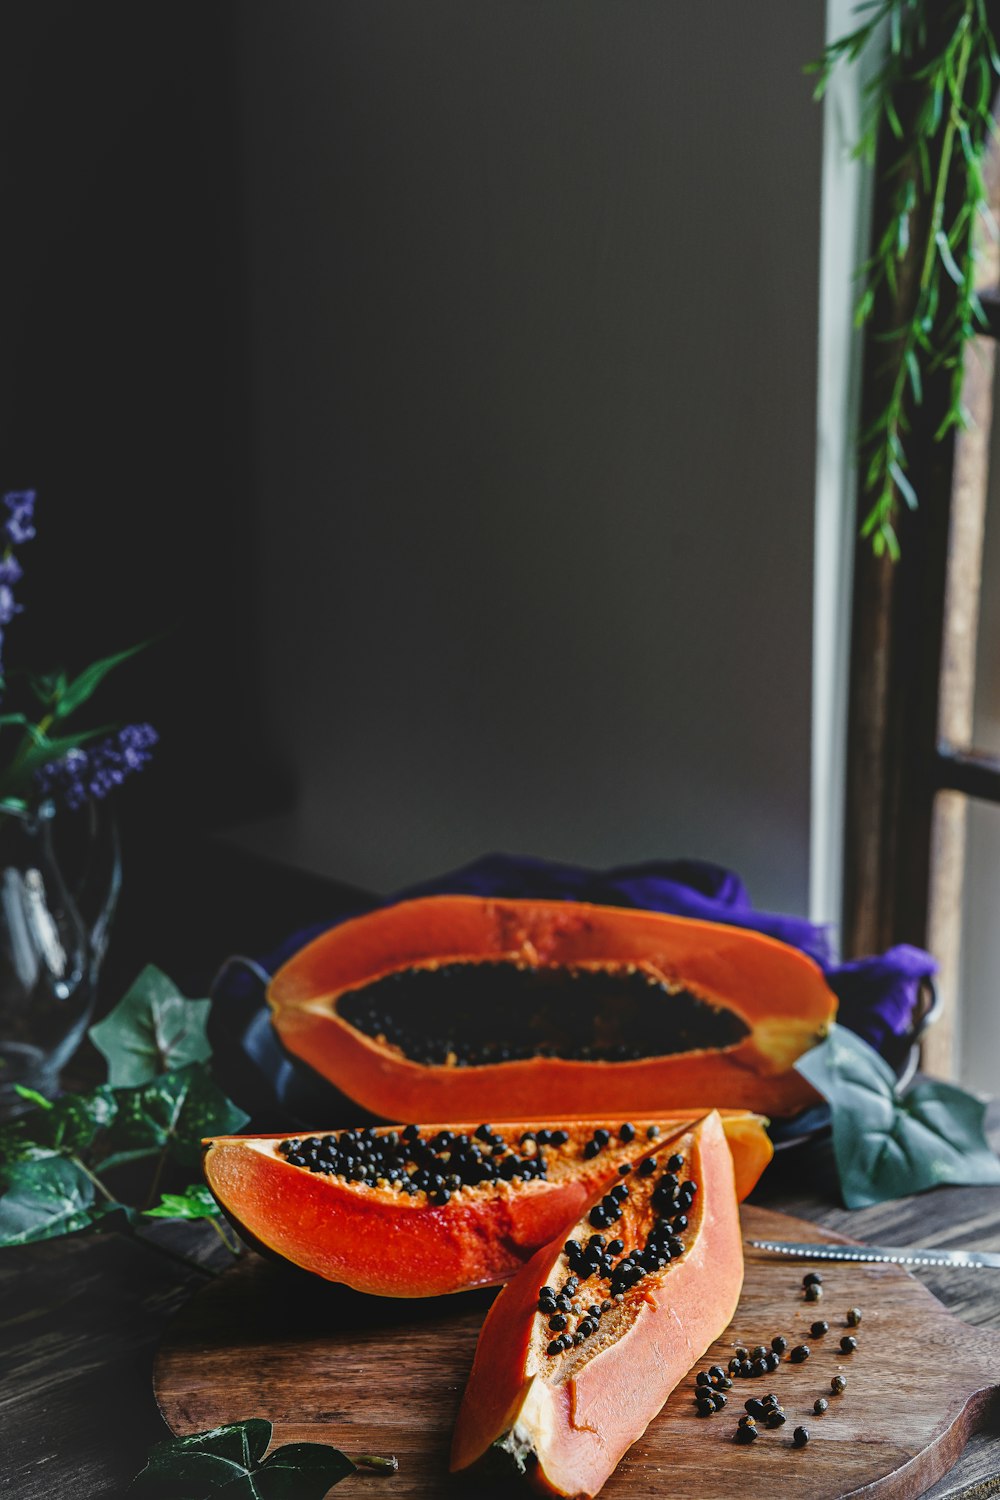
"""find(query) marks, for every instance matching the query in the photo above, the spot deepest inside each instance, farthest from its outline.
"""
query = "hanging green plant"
(938, 75)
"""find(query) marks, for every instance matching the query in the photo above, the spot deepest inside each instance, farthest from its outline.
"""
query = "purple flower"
(81, 774)
(8, 605)
(21, 504)
(11, 571)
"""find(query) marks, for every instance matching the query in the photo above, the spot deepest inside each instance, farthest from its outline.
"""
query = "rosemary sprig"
(938, 73)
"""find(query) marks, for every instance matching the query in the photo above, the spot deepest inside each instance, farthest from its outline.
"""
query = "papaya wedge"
(418, 1213)
(581, 1349)
(449, 1007)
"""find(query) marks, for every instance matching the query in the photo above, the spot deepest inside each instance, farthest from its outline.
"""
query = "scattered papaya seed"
(800, 1437)
(848, 1344)
(818, 1329)
(813, 1292)
(812, 1278)
(820, 1405)
(838, 1384)
(853, 1317)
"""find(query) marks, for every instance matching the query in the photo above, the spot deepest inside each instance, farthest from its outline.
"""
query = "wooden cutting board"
(371, 1375)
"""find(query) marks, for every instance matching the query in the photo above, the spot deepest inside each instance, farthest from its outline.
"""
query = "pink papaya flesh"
(559, 1394)
(448, 1006)
(417, 1212)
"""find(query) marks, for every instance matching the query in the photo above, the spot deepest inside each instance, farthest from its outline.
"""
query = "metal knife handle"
(912, 1255)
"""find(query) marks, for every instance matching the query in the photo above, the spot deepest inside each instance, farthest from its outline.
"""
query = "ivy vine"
(938, 74)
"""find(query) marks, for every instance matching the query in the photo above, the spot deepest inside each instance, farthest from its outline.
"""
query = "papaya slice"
(422, 1212)
(580, 1351)
(448, 1007)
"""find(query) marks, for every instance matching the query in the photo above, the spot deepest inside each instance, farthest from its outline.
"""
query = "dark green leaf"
(152, 1029)
(171, 1113)
(47, 686)
(73, 694)
(196, 1202)
(887, 1145)
(226, 1463)
(913, 370)
(43, 1198)
(299, 1471)
(71, 1122)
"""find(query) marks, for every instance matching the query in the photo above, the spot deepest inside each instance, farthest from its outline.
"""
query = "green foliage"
(152, 1029)
(168, 1116)
(228, 1462)
(54, 1160)
(888, 1144)
(196, 1202)
(69, 696)
(946, 73)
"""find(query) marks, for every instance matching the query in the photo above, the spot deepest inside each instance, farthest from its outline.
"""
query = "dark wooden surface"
(81, 1319)
(263, 1342)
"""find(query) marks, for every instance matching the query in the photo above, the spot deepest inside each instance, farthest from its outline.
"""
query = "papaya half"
(581, 1349)
(451, 1007)
(422, 1212)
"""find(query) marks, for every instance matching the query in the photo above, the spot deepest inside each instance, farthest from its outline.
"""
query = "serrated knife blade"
(910, 1255)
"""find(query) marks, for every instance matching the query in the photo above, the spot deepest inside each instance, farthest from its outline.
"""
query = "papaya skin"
(777, 992)
(567, 1421)
(381, 1243)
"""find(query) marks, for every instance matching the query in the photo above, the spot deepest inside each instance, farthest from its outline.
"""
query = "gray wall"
(534, 325)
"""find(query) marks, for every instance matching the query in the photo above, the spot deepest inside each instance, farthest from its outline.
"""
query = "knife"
(912, 1255)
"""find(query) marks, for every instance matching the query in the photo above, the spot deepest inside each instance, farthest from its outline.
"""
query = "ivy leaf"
(44, 1198)
(151, 1030)
(196, 1202)
(226, 1463)
(889, 1145)
(72, 1122)
(171, 1114)
(69, 696)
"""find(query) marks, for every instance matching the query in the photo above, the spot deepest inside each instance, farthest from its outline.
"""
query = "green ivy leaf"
(226, 1463)
(889, 1145)
(196, 1202)
(151, 1030)
(171, 1113)
(44, 1198)
(70, 696)
(72, 1122)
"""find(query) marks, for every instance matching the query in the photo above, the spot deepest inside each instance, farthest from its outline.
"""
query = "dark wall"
(123, 378)
(534, 311)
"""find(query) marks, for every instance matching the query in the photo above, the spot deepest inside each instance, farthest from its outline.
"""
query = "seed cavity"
(481, 1013)
(608, 1270)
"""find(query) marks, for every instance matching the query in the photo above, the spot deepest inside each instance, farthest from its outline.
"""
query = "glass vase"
(60, 874)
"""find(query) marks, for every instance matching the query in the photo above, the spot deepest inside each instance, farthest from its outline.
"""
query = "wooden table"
(80, 1320)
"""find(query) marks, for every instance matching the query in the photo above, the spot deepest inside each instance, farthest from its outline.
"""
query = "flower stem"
(377, 1464)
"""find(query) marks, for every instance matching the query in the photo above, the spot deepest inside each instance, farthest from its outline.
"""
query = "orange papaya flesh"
(395, 1232)
(454, 1006)
(561, 1395)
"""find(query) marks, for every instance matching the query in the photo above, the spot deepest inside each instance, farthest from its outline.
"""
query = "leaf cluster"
(888, 1144)
(939, 72)
(158, 1103)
